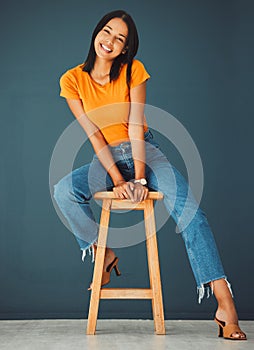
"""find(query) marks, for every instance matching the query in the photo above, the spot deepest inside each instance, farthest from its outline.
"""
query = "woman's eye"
(106, 30)
(120, 39)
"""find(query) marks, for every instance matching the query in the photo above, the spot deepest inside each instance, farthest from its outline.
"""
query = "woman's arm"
(136, 135)
(97, 140)
(121, 189)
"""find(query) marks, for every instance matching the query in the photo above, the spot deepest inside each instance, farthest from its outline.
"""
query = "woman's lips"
(105, 48)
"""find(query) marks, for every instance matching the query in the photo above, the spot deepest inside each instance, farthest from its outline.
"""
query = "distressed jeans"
(74, 192)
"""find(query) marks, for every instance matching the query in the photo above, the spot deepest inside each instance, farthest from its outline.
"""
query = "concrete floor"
(117, 334)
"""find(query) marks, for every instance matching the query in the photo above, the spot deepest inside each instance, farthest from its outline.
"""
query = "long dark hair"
(131, 44)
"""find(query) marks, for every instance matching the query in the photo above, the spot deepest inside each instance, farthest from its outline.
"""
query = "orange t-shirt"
(107, 106)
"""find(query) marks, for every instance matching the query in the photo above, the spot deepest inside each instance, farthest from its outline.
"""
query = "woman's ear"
(124, 50)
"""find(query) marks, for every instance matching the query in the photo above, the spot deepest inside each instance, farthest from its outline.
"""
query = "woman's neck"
(101, 67)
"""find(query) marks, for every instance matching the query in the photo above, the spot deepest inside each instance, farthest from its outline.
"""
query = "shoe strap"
(229, 329)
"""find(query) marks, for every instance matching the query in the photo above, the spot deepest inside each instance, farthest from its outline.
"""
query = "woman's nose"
(109, 41)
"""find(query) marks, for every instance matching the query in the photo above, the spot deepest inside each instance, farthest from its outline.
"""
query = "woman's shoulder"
(139, 73)
(137, 68)
(136, 64)
(71, 80)
(75, 71)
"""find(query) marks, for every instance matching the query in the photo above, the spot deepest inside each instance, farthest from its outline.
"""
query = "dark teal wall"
(200, 57)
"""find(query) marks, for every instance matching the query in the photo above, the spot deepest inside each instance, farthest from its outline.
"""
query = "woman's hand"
(123, 190)
(140, 192)
(128, 190)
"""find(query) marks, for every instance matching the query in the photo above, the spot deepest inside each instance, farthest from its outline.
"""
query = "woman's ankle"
(228, 315)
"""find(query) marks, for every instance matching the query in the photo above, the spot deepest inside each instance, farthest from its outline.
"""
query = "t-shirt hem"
(140, 82)
(70, 96)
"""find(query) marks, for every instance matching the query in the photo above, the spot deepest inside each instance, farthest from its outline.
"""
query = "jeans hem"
(207, 290)
(89, 249)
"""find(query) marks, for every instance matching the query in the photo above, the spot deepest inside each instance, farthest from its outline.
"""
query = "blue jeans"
(73, 193)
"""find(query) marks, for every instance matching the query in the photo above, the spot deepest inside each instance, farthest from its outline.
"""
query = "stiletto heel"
(114, 265)
(117, 271)
(220, 331)
(227, 331)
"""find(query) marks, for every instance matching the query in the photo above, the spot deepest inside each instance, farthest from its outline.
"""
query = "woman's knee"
(197, 222)
(63, 189)
(72, 188)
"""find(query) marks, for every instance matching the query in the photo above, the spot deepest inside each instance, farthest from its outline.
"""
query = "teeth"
(106, 48)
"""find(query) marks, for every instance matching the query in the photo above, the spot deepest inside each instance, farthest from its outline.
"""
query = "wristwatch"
(141, 181)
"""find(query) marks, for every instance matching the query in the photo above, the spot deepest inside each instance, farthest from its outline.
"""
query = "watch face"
(143, 181)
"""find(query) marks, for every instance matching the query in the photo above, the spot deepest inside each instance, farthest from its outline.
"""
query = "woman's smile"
(105, 48)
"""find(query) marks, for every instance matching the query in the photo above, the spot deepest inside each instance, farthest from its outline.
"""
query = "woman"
(107, 95)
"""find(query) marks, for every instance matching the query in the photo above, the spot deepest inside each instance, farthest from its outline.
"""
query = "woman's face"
(110, 42)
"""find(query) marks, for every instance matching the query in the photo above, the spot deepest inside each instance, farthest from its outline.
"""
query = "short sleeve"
(138, 74)
(68, 86)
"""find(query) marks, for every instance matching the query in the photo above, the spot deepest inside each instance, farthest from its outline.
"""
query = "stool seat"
(110, 195)
(154, 293)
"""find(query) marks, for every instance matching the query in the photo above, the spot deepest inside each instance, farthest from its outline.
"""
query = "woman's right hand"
(124, 190)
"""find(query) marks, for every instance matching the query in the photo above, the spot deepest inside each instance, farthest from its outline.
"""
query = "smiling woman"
(114, 39)
(107, 95)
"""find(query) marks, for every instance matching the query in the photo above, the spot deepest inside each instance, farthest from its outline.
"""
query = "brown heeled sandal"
(227, 331)
(110, 267)
(106, 274)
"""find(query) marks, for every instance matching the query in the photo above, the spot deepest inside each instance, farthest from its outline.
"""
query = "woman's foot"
(110, 263)
(226, 312)
(109, 257)
(227, 317)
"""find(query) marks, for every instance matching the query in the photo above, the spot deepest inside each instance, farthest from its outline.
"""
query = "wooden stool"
(154, 292)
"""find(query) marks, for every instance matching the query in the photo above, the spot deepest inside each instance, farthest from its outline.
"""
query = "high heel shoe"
(227, 331)
(110, 267)
(106, 274)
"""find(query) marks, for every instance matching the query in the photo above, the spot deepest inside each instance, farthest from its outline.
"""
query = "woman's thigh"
(164, 177)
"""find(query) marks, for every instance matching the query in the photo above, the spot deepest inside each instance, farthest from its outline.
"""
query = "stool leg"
(154, 267)
(98, 267)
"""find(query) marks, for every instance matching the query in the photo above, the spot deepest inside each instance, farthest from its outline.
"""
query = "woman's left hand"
(139, 191)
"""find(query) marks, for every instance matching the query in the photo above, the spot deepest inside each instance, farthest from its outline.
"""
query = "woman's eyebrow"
(119, 33)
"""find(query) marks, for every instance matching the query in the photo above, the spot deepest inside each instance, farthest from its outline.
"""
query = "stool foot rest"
(126, 293)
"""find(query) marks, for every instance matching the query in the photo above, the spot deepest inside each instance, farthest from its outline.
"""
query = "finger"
(129, 190)
(116, 193)
(131, 186)
(135, 194)
(121, 195)
(141, 195)
(146, 193)
(122, 192)
(125, 194)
